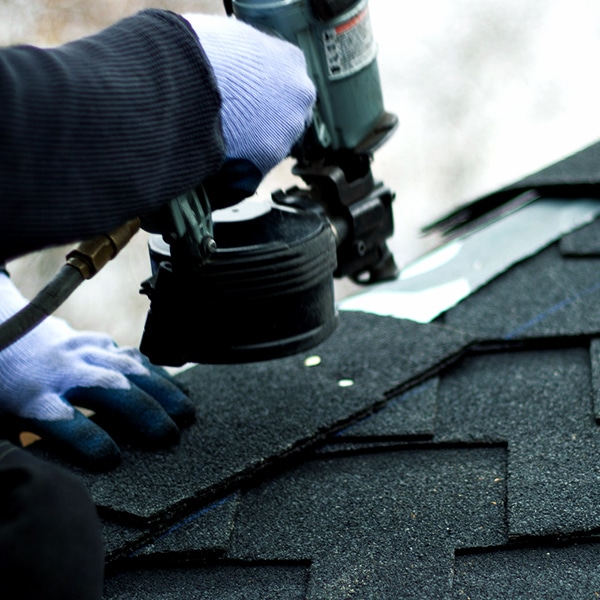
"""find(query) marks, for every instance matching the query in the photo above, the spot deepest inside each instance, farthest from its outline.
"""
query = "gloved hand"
(267, 96)
(54, 368)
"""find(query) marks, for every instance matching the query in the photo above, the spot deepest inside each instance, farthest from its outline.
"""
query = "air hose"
(82, 263)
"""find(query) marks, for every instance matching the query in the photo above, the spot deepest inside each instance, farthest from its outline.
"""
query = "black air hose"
(82, 263)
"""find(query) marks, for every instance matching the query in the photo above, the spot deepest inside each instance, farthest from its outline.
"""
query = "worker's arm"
(102, 129)
(112, 126)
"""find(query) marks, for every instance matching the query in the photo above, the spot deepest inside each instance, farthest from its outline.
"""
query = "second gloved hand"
(267, 96)
(54, 368)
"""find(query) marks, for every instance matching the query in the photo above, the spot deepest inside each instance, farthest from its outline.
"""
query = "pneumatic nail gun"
(257, 283)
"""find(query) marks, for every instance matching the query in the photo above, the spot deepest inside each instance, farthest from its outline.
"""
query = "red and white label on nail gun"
(349, 46)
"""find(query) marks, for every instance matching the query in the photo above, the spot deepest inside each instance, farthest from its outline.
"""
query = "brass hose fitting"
(92, 255)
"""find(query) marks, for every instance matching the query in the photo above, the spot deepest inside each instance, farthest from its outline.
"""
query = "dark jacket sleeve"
(102, 129)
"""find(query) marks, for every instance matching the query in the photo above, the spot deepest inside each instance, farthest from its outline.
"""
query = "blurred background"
(486, 93)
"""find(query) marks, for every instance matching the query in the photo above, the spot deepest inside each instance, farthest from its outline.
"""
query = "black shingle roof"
(462, 462)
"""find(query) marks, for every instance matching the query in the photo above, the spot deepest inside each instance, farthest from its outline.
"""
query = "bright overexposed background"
(486, 92)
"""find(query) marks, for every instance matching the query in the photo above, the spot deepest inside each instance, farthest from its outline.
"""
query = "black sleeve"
(102, 129)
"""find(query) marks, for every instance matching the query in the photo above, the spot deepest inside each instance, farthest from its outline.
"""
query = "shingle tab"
(377, 523)
(545, 296)
(213, 582)
(551, 571)
(408, 416)
(582, 242)
(540, 404)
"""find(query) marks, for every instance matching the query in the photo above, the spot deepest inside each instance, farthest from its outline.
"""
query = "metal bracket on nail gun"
(192, 233)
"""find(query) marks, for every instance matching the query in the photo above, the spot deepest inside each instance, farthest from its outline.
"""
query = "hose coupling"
(91, 255)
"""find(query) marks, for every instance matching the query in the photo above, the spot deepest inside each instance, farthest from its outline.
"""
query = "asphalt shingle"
(458, 459)
(375, 523)
(252, 416)
(409, 416)
(544, 297)
(542, 572)
(539, 403)
(582, 242)
(231, 581)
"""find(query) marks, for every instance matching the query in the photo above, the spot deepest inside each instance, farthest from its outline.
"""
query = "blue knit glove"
(267, 96)
(54, 368)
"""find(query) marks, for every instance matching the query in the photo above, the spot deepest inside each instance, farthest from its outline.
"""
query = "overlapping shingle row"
(451, 460)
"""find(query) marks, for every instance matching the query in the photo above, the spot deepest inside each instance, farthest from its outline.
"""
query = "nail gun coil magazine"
(266, 292)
